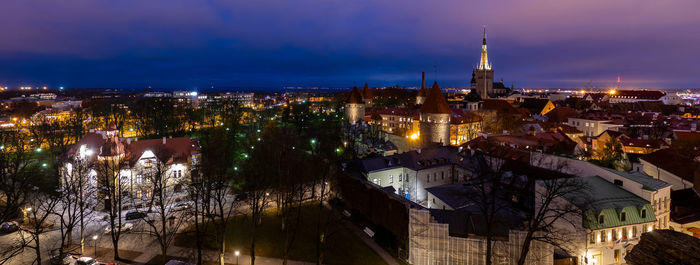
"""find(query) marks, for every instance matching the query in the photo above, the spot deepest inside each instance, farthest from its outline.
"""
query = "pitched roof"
(500, 106)
(366, 92)
(561, 114)
(672, 161)
(534, 105)
(435, 102)
(355, 96)
(175, 150)
(687, 136)
(459, 116)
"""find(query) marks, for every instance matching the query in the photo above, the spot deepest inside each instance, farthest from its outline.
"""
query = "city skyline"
(87, 44)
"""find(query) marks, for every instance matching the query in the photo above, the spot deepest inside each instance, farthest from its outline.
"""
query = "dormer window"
(623, 217)
(601, 219)
(644, 213)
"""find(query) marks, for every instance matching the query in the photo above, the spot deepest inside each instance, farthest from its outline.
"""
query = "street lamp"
(94, 238)
(238, 253)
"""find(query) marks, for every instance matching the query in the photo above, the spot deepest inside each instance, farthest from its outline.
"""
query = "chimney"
(164, 138)
(422, 83)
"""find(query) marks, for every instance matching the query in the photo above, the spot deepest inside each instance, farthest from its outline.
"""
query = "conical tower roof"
(366, 92)
(436, 102)
(355, 96)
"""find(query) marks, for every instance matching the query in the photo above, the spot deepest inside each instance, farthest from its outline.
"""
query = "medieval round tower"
(355, 107)
(435, 118)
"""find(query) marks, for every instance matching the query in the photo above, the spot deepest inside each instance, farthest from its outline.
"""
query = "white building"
(591, 126)
(612, 222)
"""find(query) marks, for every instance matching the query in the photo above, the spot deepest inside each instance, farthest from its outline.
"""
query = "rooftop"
(647, 181)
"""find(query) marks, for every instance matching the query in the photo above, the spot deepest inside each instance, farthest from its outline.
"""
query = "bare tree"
(77, 201)
(549, 210)
(220, 178)
(112, 191)
(18, 169)
(160, 182)
(40, 208)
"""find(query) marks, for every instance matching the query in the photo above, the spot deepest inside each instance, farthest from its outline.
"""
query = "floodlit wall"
(430, 243)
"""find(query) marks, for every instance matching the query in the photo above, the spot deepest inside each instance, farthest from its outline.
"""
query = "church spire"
(484, 63)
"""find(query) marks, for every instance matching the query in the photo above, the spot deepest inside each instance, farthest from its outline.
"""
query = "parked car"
(124, 228)
(65, 259)
(9, 227)
(181, 206)
(135, 215)
(86, 261)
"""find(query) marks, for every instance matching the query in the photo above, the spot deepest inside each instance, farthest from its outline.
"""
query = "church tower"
(435, 118)
(483, 74)
(422, 93)
(355, 107)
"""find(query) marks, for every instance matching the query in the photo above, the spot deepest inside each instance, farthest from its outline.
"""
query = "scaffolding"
(430, 243)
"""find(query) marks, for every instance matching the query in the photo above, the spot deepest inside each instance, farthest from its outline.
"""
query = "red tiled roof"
(500, 106)
(175, 150)
(459, 116)
(561, 114)
(435, 102)
(355, 97)
(672, 161)
(687, 136)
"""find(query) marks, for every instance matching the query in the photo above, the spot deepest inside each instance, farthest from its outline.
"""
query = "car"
(124, 228)
(9, 227)
(65, 259)
(181, 206)
(135, 215)
(86, 261)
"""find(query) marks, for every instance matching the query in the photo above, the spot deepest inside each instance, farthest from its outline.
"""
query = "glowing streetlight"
(94, 238)
(238, 253)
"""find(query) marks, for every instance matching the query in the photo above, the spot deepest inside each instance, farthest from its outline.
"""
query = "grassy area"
(344, 247)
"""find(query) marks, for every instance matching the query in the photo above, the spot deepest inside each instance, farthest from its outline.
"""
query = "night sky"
(258, 43)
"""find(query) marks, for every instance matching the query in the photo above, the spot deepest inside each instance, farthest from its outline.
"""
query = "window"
(618, 182)
(644, 213)
(399, 177)
(442, 175)
(602, 235)
(427, 178)
(601, 219)
(592, 237)
(391, 179)
(149, 193)
(139, 179)
(406, 177)
(623, 217)
(633, 233)
(617, 256)
(147, 163)
(624, 233)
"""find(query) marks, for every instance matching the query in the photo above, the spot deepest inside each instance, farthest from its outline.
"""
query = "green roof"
(610, 201)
